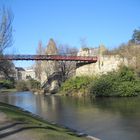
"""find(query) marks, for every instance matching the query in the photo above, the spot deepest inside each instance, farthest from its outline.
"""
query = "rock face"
(53, 83)
(51, 48)
(105, 63)
(49, 67)
(50, 77)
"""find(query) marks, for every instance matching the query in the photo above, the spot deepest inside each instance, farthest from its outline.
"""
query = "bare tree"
(67, 68)
(6, 29)
(132, 53)
(6, 40)
(7, 69)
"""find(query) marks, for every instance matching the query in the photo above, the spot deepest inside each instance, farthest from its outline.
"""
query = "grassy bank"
(8, 90)
(38, 129)
(122, 83)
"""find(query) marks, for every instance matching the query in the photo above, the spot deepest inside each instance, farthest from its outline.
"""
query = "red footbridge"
(86, 59)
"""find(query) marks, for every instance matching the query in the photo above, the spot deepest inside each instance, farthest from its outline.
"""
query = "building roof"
(20, 69)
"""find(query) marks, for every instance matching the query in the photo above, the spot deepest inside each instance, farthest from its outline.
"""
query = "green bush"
(28, 85)
(6, 84)
(127, 89)
(22, 86)
(76, 84)
(103, 86)
(126, 74)
(33, 84)
(123, 83)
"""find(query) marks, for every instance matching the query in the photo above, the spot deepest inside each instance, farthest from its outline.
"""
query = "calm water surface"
(105, 118)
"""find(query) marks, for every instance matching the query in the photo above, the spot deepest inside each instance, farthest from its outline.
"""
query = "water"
(105, 118)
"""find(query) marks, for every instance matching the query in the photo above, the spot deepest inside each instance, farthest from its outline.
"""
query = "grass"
(7, 90)
(47, 131)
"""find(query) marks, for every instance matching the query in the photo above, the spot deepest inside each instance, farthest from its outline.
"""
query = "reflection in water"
(105, 118)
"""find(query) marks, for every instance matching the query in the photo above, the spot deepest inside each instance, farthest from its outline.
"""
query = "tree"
(7, 69)
(131, 52)
(136, 36)
(6, 29)
(67, 68)
(6, 40)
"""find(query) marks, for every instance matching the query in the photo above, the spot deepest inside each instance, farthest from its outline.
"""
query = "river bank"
(16, 123)
(122, 83)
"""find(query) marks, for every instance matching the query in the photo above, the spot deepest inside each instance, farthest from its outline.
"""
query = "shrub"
(33, 84)
(6, 84)
(103, 86)
(126, 74)
(127, 89)
(28, 85)
(122, 83)
(22, 86)
(76, 84)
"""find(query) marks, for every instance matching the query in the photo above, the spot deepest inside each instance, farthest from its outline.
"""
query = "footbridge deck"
(90, 59)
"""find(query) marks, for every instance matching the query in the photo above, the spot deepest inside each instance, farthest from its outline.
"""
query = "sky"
(108, 22)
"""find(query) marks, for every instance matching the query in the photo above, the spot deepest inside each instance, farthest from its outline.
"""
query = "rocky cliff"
(105, 63)
(49, 67)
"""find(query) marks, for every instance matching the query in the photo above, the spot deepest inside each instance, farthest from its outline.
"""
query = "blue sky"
(108, 22)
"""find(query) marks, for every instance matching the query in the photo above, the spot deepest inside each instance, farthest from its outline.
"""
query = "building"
(25, 74)
(20, 73)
